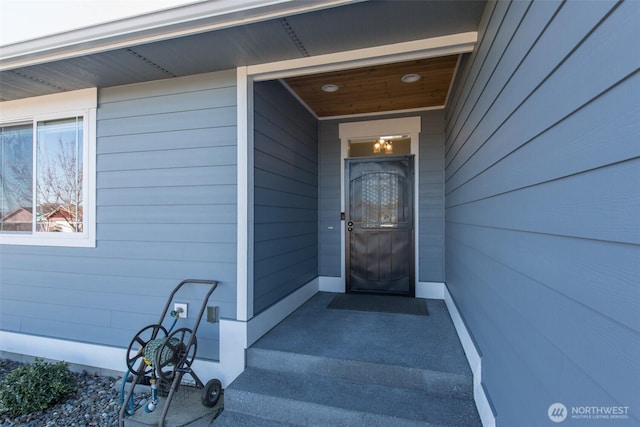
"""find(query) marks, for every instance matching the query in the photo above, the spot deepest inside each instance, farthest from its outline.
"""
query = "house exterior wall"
(285, 194)
(166, 211)
(329, 235)
(431, 187)
(542, 207)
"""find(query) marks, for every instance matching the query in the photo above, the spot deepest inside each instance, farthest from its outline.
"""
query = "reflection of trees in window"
(59, 177)
(16, 178)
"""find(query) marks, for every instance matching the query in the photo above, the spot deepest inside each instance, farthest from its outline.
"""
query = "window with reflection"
(48, 198)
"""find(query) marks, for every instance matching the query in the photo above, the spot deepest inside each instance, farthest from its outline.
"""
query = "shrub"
(35, 387)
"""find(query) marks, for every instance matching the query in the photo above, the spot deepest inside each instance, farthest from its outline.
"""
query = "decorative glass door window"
(380, 198)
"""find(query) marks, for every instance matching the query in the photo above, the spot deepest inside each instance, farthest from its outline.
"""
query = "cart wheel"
(141, 339)
(174, 352)
(211, 393)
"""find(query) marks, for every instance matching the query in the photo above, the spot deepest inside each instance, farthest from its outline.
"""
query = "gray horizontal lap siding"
(166, 211)
(542, 206)
(329, 235)
(285, 195)
(431, 197)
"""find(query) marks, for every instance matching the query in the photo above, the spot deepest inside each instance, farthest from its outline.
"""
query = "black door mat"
(380, 304)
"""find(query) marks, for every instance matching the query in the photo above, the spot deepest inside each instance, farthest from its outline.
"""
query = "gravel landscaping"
(94, 404)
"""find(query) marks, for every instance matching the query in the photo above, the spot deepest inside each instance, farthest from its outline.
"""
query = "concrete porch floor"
(424, 342)
(316, 347)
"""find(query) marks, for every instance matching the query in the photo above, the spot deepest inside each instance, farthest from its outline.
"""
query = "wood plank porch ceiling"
(377, 88)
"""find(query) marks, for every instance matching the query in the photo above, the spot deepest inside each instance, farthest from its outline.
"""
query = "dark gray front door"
(379, 217)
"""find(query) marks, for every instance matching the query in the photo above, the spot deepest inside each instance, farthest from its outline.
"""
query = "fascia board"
(453, 44)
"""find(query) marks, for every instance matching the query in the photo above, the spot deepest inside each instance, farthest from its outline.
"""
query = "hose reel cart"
(159, 356)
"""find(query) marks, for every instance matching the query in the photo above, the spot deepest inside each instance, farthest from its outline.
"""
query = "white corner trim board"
(431, 290)
(475, 362)
(331, 284)
(244, 95)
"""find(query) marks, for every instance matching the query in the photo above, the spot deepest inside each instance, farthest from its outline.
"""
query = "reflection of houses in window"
(20, 219)
(53, 218)
(59, 218)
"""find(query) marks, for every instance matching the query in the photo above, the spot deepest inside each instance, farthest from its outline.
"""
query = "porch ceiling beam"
(180, 21)
(418, 49)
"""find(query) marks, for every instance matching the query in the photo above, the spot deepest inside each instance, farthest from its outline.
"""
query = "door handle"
(350, 228)
(350, 223)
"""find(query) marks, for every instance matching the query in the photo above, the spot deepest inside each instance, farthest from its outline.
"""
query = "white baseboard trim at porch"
(265, 321)
(475, 362)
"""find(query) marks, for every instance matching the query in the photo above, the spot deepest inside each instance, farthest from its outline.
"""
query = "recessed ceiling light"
(411, 78)
(330, 88)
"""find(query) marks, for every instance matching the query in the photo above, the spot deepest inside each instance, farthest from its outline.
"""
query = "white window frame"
(80, 103)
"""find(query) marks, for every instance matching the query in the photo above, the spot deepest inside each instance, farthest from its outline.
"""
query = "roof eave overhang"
(453, 44)
(162, 25)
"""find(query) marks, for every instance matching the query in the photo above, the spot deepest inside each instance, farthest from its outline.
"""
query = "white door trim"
(375, 128)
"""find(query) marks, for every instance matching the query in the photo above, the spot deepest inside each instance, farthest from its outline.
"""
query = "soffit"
(378, 89)
(336, 29)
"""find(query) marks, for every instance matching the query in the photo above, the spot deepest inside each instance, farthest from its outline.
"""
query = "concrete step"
(310, 400)
(433, 382)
